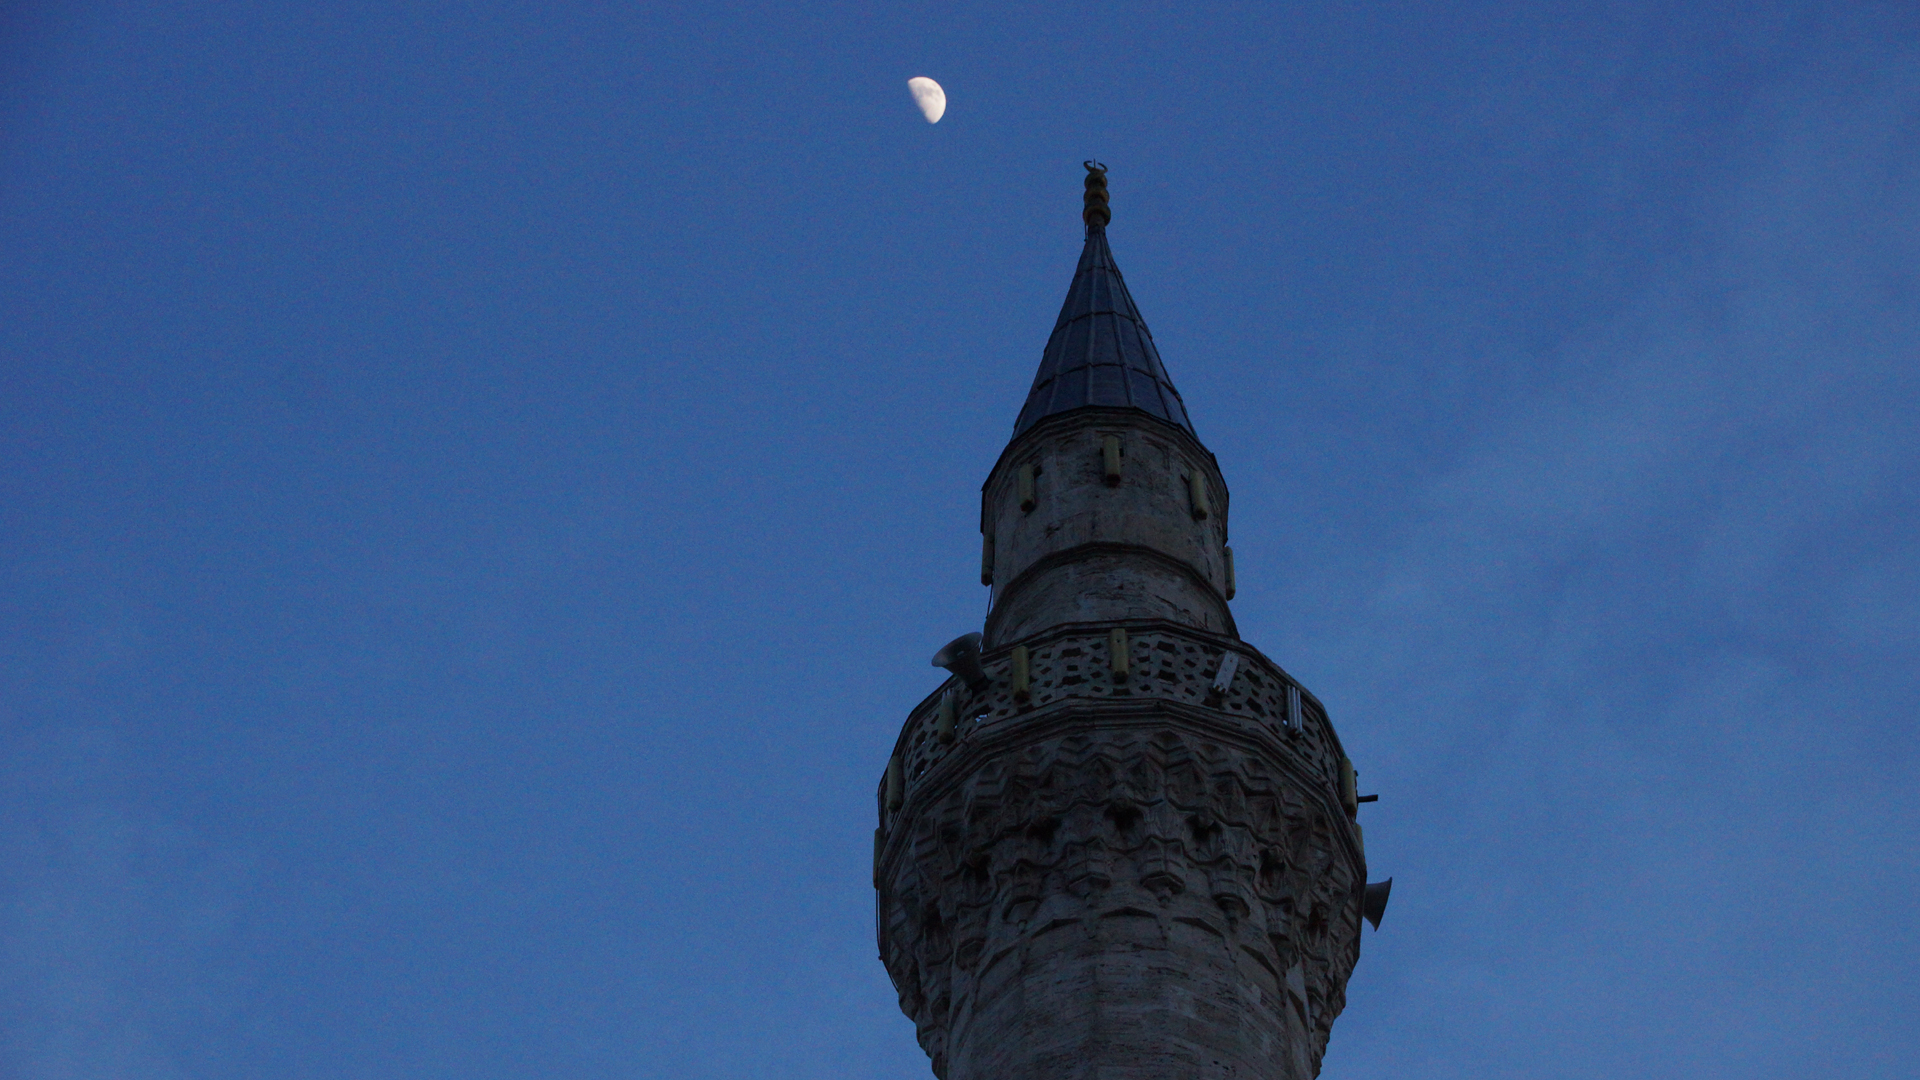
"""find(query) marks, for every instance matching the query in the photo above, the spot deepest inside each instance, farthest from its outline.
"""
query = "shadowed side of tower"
(1125, 846)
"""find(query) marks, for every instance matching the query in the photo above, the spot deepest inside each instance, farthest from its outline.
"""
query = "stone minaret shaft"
(1124, 845)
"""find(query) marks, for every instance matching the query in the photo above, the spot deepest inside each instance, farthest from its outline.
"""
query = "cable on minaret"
(1096, 215)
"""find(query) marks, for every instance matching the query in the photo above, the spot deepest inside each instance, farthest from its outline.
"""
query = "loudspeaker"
(1373, 902)
(962, 657)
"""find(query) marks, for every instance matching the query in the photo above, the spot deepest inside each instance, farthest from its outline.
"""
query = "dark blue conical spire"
(1101, 352)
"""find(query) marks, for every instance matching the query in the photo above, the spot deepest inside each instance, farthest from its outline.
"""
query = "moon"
(928, 95)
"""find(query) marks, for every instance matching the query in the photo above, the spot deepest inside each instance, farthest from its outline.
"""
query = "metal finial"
(1096, 214)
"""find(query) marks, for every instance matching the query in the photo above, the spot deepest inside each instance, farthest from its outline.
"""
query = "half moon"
(928, 95)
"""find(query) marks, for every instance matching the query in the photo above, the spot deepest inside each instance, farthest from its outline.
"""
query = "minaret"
(1118, 842)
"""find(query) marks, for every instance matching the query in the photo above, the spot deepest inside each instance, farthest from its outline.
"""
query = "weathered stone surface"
(1093, 551)
(1122, 892)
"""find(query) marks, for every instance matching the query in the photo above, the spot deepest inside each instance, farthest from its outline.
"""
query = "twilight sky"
(480, 484)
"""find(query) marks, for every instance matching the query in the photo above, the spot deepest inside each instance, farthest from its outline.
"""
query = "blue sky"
(479, 486)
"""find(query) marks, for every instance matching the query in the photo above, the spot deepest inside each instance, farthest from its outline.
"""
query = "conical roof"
(1101, 352)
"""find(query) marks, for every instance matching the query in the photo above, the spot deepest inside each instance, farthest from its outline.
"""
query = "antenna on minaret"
(1096, 215)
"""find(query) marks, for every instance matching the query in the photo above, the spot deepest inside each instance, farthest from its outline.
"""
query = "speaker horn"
(1373, 902)
(962, 657)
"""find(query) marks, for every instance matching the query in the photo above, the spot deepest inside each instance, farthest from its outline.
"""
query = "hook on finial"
(1096, 214)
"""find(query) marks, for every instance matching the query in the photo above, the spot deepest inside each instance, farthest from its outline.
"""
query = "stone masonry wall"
(1148, 894)
(1155, 554)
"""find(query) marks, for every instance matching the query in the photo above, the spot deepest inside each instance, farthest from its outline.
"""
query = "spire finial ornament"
(1096, 215)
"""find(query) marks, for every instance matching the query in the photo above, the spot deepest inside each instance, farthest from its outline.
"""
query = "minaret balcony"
(1070, 667)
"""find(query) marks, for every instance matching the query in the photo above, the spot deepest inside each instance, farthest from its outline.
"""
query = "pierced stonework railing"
(1164, 661)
